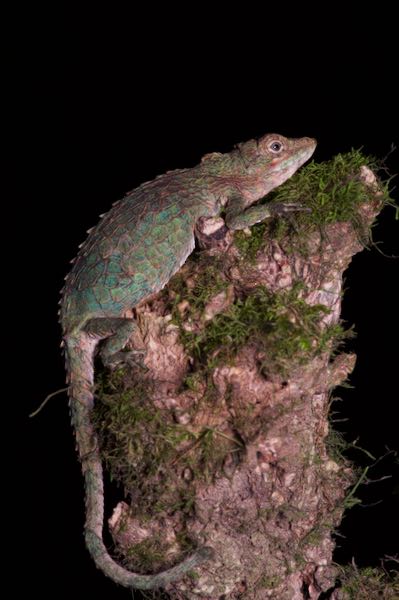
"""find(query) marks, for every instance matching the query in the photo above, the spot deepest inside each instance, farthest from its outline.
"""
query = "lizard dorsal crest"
(211, 156)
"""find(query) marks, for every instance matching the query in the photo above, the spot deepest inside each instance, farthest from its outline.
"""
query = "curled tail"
(79, 351)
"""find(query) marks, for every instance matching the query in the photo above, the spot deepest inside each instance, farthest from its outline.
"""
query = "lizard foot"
(133, 358)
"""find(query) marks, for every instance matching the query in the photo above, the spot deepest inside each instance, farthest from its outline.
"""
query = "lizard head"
(273, 158)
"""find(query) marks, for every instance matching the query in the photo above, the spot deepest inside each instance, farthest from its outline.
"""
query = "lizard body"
(132, 253)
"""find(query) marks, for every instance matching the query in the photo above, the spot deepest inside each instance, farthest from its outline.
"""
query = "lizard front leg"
(240, 217)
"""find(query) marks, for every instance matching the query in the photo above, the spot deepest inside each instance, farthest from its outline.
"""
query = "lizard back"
(134, 250)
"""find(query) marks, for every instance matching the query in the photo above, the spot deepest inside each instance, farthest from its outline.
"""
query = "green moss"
(372, 583)
(125, 419)
(200, 289)
(316, 535)
(149, 555)
(249, 243)
(334, 192)
(332, 189)
(192, 381)
(145, 555)
(282, 327)
(137, 442)
(193, 575)
(147, 451)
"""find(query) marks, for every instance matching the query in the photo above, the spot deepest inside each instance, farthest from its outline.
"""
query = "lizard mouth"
(298, 158)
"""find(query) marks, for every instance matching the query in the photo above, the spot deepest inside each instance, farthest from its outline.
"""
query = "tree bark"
(252, 470)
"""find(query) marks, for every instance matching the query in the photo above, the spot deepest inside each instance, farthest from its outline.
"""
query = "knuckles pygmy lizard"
(132, 253)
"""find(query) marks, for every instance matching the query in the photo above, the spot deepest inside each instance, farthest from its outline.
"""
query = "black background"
(110, 101)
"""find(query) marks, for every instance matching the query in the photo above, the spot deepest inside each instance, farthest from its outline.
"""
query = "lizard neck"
(207, 196)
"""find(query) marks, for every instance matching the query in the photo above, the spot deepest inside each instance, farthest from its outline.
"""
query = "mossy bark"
(231, 450)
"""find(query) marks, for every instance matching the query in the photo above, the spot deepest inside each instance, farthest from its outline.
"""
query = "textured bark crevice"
(273, 496)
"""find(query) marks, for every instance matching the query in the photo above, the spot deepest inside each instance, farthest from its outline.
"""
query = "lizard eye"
(276, 147)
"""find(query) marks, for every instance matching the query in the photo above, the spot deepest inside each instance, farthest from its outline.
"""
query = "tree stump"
(223, 440)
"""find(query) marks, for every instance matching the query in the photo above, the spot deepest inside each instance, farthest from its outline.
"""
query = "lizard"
(131, 254)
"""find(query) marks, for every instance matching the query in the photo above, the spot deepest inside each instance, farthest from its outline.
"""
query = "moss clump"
(146, 555)
(155, 553)
(129, 426)
(281, 326)
(315, 536)
(137, 441)
(333, 190)
(249, 244)
(372, 583)
(198, 290)
(157, 460)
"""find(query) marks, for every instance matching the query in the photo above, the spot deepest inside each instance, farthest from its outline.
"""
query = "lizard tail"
(79, 351)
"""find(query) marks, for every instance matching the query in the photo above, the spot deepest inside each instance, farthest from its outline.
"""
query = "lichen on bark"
(221, 440)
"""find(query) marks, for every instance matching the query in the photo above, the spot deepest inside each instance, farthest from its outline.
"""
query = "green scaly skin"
(132, 253)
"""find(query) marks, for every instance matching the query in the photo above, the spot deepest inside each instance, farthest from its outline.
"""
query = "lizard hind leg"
(116, 332)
